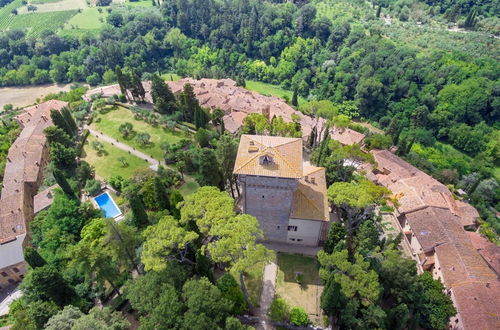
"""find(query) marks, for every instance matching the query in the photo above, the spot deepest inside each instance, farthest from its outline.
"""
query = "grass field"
(90, 19)
(108, 166)
(189, 187)
(140, 3)
(271, 90)
(53, 6)
(308, 293)
(110, 122)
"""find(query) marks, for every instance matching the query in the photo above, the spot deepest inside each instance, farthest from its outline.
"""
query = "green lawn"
(140, 3)
(271, 90)
(170, 76)
(111, 121)
(108, 166)
(306, 294)
(189, 187)
(88, 19)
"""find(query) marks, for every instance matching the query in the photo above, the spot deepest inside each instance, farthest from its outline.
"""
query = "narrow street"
(267, 295)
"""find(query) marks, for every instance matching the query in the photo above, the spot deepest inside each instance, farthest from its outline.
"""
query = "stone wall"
(269, 200)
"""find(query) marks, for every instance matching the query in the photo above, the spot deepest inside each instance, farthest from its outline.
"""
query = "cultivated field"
(23, 96)
(271, 90)
(53, 6)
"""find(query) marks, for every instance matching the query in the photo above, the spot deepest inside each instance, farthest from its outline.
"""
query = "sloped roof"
(44, 199)
(489, 251)
(23, 165)
(310, 200)
(346, 136)
(286, 154)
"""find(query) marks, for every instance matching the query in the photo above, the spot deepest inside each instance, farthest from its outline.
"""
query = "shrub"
(93, 187)
(279, 310)
(298, 316)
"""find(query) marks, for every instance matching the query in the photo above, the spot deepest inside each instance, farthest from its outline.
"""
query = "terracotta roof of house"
(24, 161)
(237, 103)
(415, 189)
(286, 155)
(489, 251)
(310, 199)
(437, 220)
(44, 199)
(346, 136)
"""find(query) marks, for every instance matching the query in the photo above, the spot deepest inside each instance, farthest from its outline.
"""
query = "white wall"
(307, 230)
(12, 253)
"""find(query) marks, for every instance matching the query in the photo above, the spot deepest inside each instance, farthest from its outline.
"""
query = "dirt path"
(267, 295)
(24, 96)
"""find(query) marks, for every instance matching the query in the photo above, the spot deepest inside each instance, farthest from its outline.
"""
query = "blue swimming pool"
(107, 204)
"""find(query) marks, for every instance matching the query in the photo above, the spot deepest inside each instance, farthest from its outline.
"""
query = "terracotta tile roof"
(286, 154)
(346, 136)
(489, 251)
(310, 200)
(478, 304)
(22, 171)
(437, 220)
(44, 199)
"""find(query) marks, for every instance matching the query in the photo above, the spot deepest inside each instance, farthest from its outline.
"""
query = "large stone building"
(434, 223)
(286, 195)
(23, 175)
(237, 103)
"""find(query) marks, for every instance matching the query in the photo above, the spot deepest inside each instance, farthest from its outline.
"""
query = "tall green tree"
(60, 121)
(63, 183)
(163, 99)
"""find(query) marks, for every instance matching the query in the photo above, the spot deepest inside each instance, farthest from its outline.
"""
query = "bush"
(298, 316)
(279, 310)
(231, 291)
(93, 187)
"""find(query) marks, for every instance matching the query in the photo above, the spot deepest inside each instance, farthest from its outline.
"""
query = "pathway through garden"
(267, 295)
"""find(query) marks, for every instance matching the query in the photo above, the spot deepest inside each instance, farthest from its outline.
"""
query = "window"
(292, 228)
(11, 281)
(278, 227)
(4, 274)
(292, 239)
(262, 196)
(299, 240)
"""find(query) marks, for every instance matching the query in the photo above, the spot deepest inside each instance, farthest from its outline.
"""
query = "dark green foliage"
(231, 291)
(335, 235)
(32, 315)
(163, 98)
(33, 258)
(45, 283)
(295, 101)
(55, 134)
(63, 183)
(60, 121)
(65, 112)
(62, 157)
(202, 136)
(140, 218)
(189, 104)
(203, 266)
(279, 310)
(437, 307)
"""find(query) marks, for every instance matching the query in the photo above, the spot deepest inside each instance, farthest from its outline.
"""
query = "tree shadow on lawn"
(298, 269)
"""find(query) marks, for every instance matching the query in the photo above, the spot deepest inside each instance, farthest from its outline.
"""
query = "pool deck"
(117, 217)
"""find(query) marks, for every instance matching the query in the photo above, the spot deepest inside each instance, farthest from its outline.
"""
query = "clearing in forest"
(52, 6)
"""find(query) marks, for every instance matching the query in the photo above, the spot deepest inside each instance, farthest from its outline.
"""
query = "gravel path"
(267, 295)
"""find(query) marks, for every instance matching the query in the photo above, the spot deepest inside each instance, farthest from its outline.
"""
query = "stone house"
(285, 194)
(433, 223)
(26, 159)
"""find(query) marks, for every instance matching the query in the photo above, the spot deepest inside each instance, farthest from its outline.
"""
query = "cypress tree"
(163, 98)
(189, 103)
(121, 81)
(295, 101)
(69, 119)
(161, 194)
(33, 258)
(60, 122)
(140, 215)
(63, 183)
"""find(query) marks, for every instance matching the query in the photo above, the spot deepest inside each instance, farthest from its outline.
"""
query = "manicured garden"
(111, 161)
(299, 284)
(110, 122)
